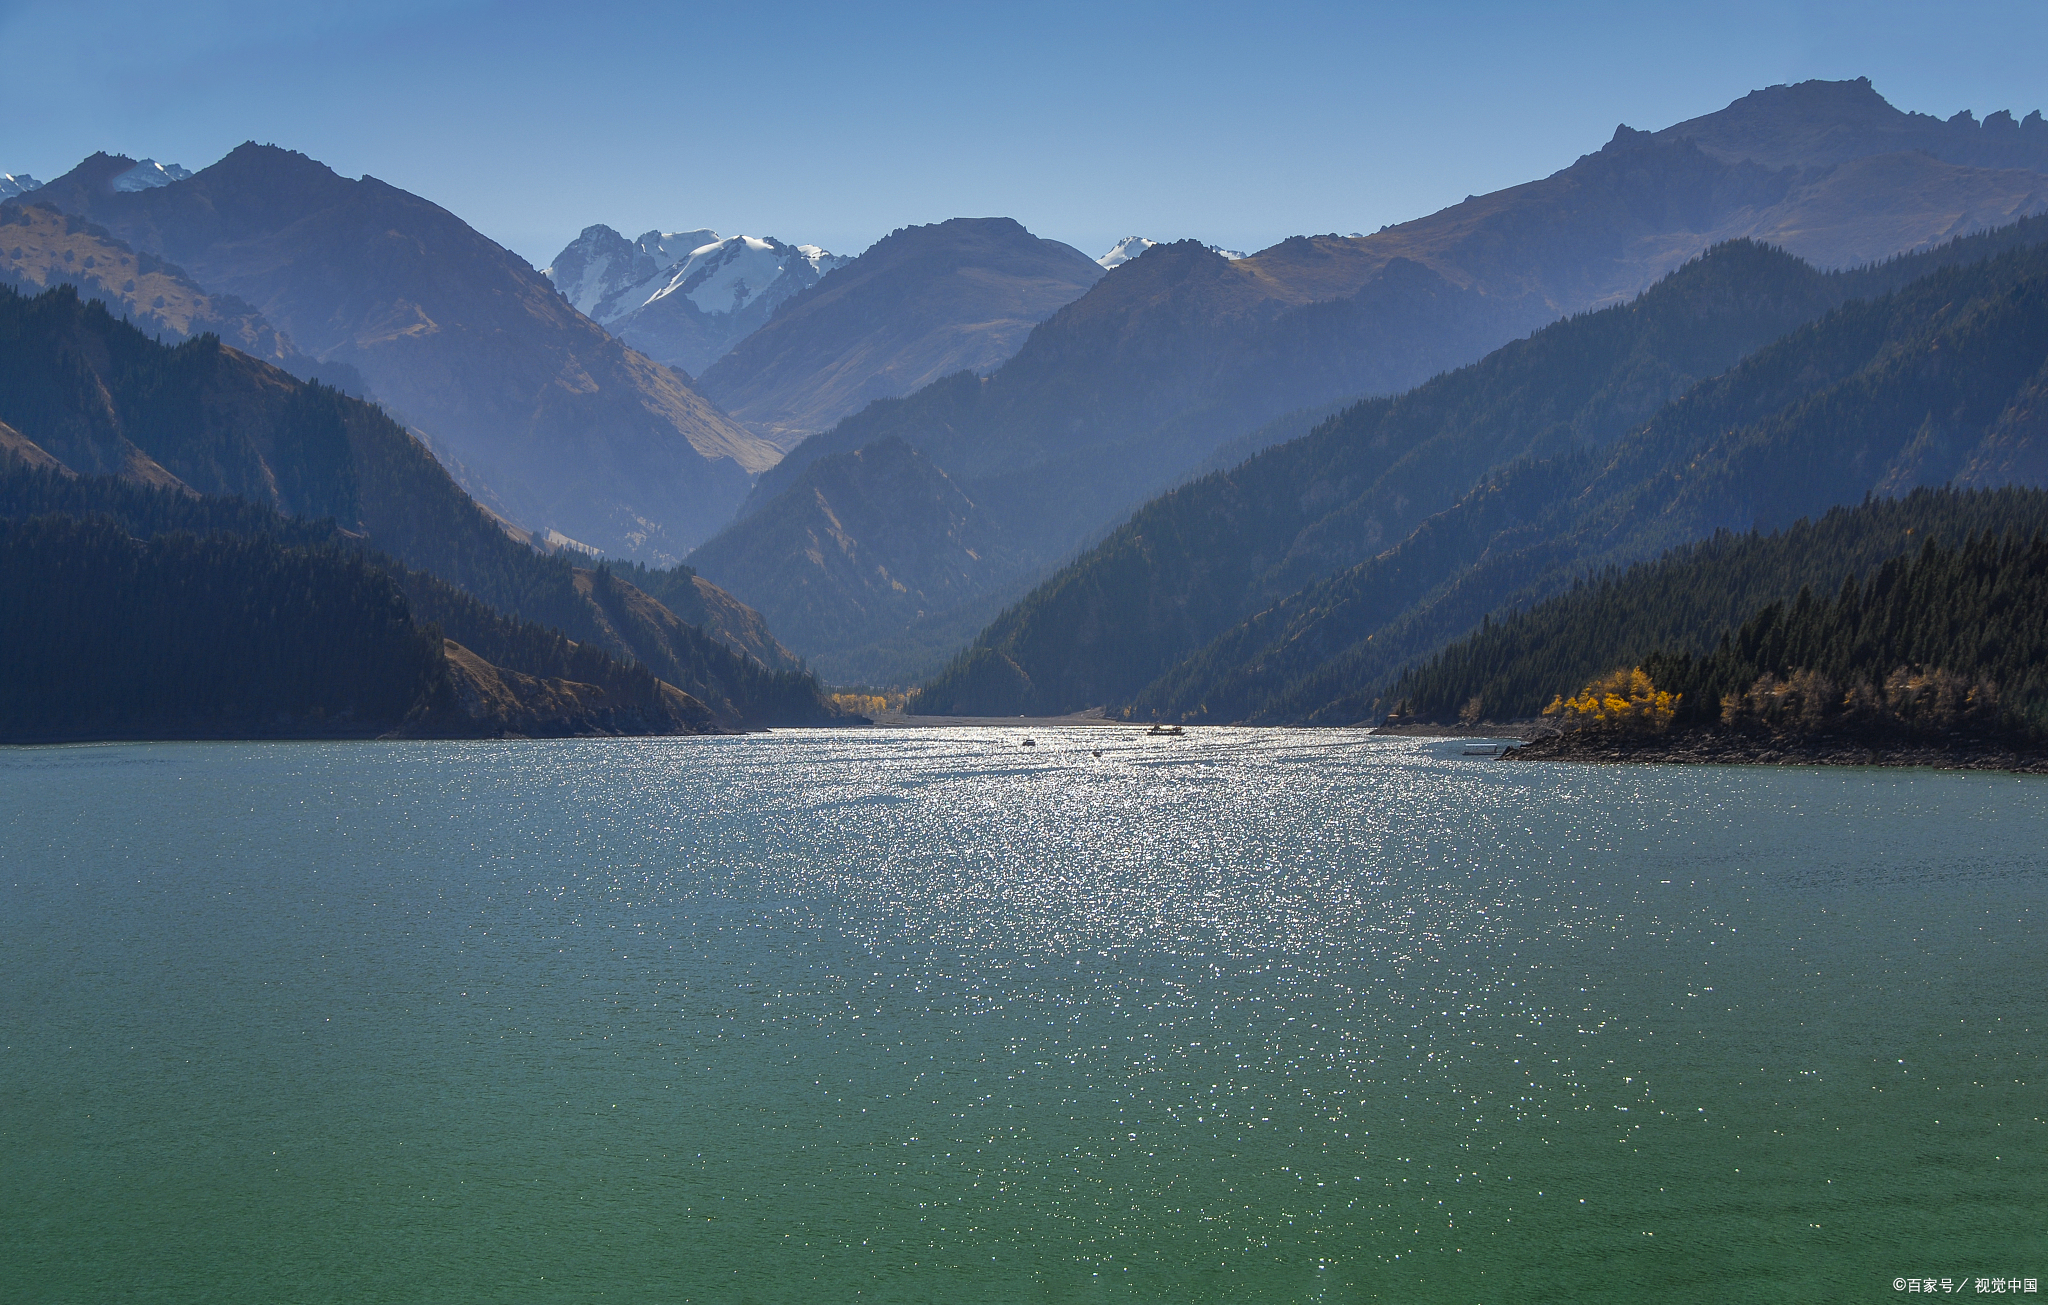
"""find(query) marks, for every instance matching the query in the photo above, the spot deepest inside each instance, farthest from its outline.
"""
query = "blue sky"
(834, 124)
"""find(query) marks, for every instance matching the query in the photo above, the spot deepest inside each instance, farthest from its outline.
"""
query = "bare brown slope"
(566, 427)
(735, 624)
(924, 302)
(41, 247)
(19, 450)
(487, 701)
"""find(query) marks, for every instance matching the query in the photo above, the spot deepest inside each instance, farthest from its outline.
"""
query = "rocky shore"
(1724, 747)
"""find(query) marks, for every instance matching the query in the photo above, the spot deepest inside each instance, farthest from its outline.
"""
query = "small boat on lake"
(1166, 731)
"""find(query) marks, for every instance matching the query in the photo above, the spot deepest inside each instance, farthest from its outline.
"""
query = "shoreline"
(1712, 748)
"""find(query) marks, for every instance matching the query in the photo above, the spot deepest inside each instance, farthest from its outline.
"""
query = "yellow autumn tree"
(1618, 700)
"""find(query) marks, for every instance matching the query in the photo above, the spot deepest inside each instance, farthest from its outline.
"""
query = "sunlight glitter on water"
(930, 1014)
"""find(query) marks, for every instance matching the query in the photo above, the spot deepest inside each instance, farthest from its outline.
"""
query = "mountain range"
(1177, 354)
(542, 414)
(921, 303)
(236, 444)
(1296, 586)
(1341, 450)
(684, 298)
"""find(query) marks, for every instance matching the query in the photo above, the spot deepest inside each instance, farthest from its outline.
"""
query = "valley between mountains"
(285, 452)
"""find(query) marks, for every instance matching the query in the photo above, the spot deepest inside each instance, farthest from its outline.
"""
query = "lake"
(928, 1015)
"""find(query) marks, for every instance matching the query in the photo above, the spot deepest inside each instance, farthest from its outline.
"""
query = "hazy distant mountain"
(542, 413)
(684, 298)
(41, 247)
(846, 563)
(1818, 124)
(1181, 351)
(922, 303)
(1312, 571)
(17, 183)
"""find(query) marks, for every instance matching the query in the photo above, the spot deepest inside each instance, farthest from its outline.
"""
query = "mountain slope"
(229, 634)
(922, 303)
(1881, 396)
(548, 417)
(1191, 564)
(41, 247)
(845, 560)
(95, 396)
(1681, 603)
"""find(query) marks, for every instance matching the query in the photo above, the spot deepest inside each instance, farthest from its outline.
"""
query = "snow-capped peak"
(1131, 246)
(149, 174)
(607, 278)
(670, 247)
(726, 276)
(17, 183)
(599, 266)
(1126, 249)
(684, 297)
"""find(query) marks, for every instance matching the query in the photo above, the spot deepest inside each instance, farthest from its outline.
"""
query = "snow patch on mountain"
(1131, 246)
(1125, 250)
(17, 183)
(149, 174)
(684, 297)
(606, 277)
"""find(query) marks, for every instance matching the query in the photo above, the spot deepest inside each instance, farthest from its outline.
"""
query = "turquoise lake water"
(931, 1016)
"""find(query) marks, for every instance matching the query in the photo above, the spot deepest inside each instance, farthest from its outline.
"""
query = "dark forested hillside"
(248, 636)
(1930, 384)
(101, 398)
(1954, 635)
(182, 635)
(1229, 547)
(1684, 602)
(734, 690)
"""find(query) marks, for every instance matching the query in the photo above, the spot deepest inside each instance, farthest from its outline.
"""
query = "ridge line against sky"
(836, 124)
